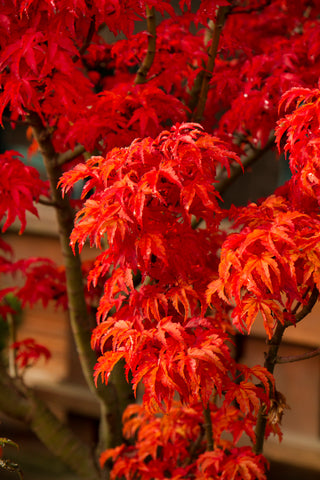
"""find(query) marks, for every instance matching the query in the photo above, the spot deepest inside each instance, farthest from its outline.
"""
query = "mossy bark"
(19, 402)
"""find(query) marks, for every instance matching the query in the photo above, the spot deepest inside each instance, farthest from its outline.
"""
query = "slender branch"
(89, 36)
(194, 447)
(195, 92)
(17, 122)
(224, 182)
(70, 155)
(237, 170)
(87, 41)
(271, 359)
(12, 352)
(296, 308)
(297, 358)
(46, 202)
(208, 427)
(142, 73)
(253, 9)
(217, 29)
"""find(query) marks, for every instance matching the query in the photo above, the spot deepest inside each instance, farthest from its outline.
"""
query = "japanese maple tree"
(157, 124)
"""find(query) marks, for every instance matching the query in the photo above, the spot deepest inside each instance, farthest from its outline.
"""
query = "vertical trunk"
(79, 318)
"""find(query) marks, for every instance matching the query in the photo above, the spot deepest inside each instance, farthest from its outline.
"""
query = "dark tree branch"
(224, 182)
(217, 29)
(194, 447)
(17, 122)
(271, 359)
(306, 308)
(142, 73)
(70, 155)
(208, 427)
(47, 203)
(237, 170)
(90, 33)
(251, 10)
(297, 358)
(12, 352)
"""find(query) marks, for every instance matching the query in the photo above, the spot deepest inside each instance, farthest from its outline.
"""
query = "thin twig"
(237, 169)
(194, 447)
(251, 10)
(70, 155)
(224, 182)
(297, 358)
(296, 308)
(212, 54)
(47, 203)
(89, 36)
(17, 122)
(87, 41)
(142, 73)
